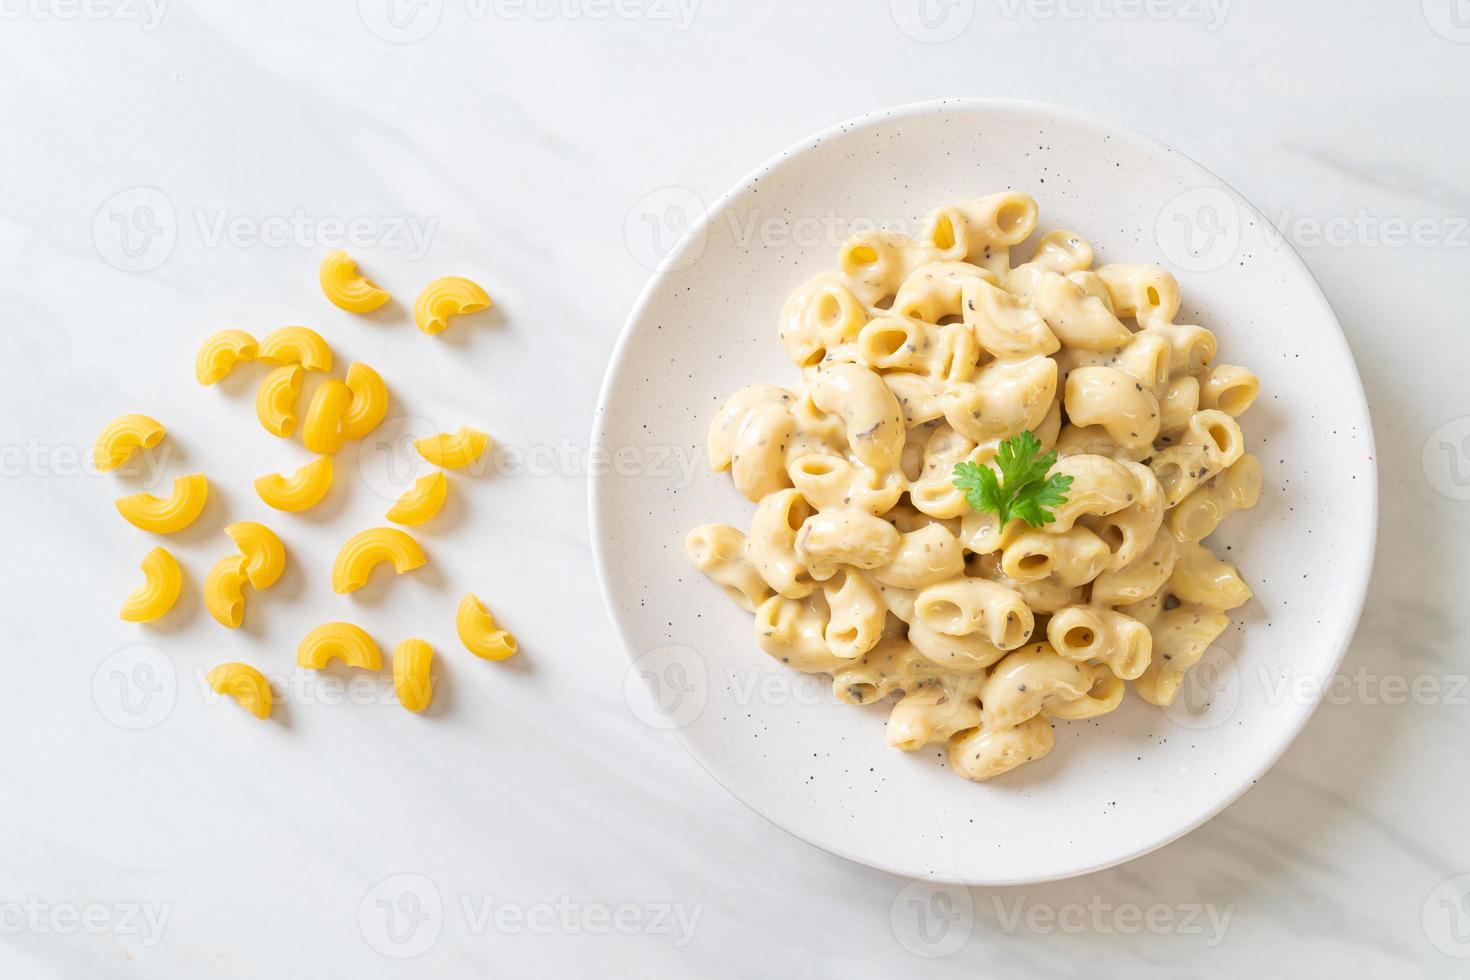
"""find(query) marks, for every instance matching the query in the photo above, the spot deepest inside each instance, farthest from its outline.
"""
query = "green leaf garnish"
(1023, 491)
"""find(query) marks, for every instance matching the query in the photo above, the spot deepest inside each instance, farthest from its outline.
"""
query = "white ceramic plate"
(1113, 788)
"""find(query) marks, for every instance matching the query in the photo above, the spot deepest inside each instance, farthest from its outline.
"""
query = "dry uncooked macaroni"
(343, 641)
(365, 550)
(447, 297)
(300, 491)
(162, 582)
(346, 287)
(478, 632)
(123, 437)
(455, 451)
(165, 515)
(245, 684)
(864, 561)
(411, 662)
(422, 501)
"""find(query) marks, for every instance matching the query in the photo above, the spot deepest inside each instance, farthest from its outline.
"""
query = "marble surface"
(170, 169)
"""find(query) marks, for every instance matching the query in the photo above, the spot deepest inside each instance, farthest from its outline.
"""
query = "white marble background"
(170, 168)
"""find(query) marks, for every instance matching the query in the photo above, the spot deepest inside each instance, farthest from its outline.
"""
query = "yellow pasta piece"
(365, 550)
(322, 431)
(369, 402)
(478, 633)
(422, 501)
(347, 288)
(454, 451)
(220, 352)
(300, 491)
(296, 345)
(275, 399)
(163, 579)
(447, 297)
(123, 437)
(344, 641)
(224, 590)
(245, 684)
(165, 515)
(265, 555)
(411, 661)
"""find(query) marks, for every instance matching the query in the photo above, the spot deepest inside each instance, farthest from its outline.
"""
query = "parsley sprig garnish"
(1026, 492)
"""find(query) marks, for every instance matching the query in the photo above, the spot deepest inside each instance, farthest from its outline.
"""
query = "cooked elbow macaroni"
(865, 562)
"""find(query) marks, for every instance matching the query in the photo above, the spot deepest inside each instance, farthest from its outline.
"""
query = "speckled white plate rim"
(674, 260)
